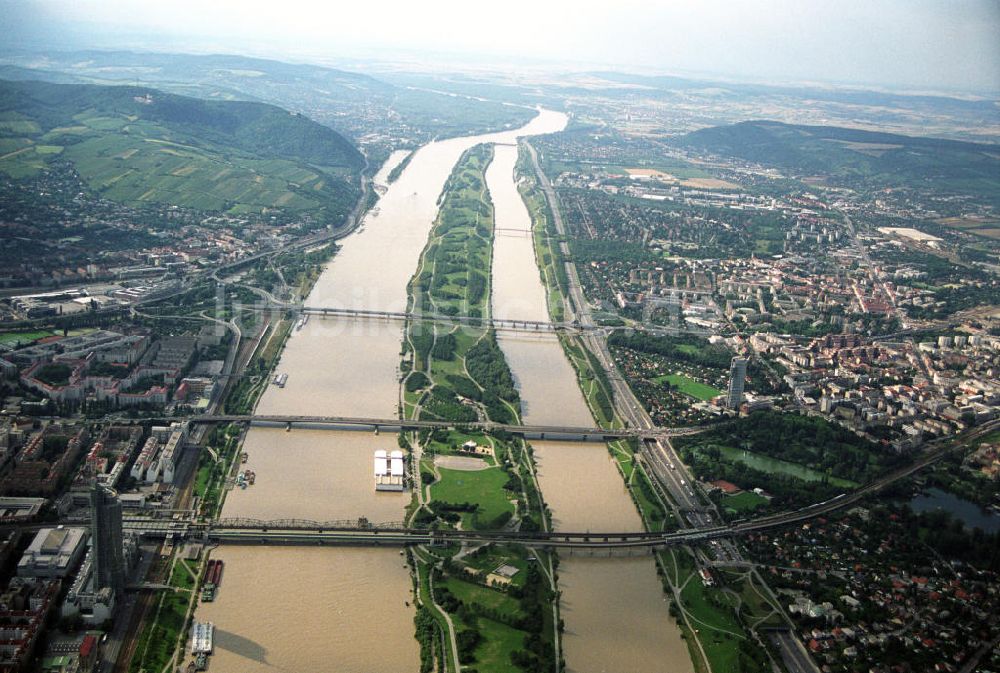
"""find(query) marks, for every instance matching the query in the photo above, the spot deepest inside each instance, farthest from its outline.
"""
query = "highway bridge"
(467, 321)
(500, 325)
(553, 432)
(297, 532)
(362, 532)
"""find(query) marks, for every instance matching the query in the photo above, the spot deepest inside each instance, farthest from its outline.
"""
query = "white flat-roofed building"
(389, 471)
(202, 635)
(55, 552)
(396, 464)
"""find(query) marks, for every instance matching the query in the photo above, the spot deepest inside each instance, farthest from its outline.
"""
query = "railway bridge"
(361, 532)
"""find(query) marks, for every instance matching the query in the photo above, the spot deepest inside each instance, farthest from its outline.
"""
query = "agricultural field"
(987, 228)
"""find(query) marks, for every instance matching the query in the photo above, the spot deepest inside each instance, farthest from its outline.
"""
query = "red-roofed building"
(88, 652)
(726, 487)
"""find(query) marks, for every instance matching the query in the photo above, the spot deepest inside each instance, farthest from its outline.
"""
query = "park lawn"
(483, 487)
(465, 338)
(689, 386)
(456, 251)
(677, 564)
(203, 477)
(623, 456)
(24, 338)
(547, 259)
(410, 400)
(640, 488)
(755, 607)
(468, 592)
(499, 641)
(598, 399)
(181, 578)
(747, 501)
(710, 621)
(156, 642)
(424, 596)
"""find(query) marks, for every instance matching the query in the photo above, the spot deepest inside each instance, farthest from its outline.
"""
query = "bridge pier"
(288, 426)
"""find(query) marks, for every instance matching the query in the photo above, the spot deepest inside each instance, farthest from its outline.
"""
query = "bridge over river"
(502, 325)
(361, 532)
(468, 321)
(550, 432)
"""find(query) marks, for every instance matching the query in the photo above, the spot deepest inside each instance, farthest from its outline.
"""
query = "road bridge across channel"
(547, 432)
(361, 532)
(466, 321)
(248, 531)
(500, 325)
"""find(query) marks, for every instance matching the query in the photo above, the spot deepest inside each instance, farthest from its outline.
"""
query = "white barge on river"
(388, 470)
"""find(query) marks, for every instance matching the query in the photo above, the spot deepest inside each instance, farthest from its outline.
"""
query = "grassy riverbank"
(551, 264)
(490, 608)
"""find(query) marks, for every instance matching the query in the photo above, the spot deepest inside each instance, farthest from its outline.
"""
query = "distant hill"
(939, 103)
(361, 107)
(135, 144)
(851, 156)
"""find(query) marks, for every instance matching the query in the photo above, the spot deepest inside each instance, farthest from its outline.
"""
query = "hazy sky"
(946, 44)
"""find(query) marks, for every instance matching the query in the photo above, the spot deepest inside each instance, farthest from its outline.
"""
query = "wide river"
(349, 610)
